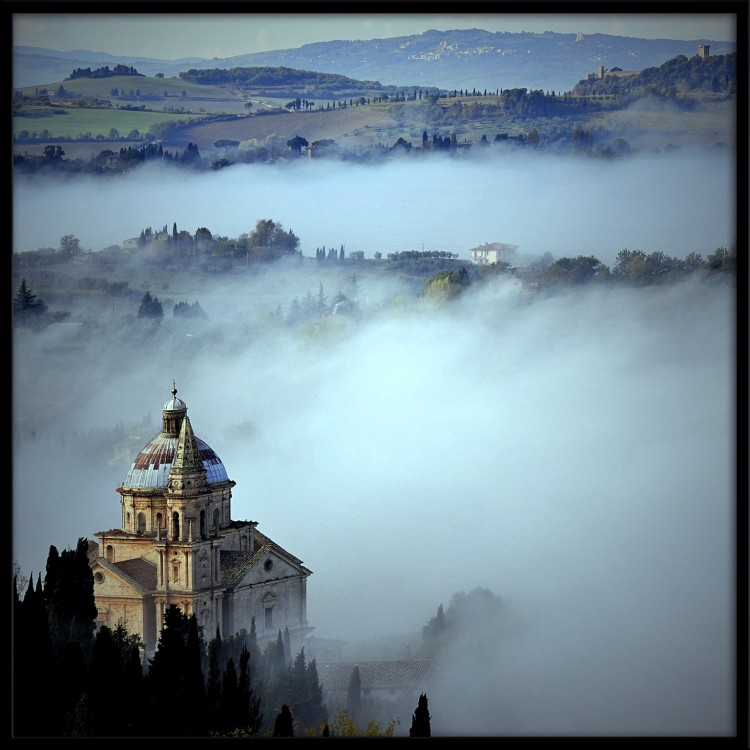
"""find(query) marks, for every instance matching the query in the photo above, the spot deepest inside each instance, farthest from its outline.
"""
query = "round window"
(98, 577)
(268, 564)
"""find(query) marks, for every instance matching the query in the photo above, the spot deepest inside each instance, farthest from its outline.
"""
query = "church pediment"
(121, 580)
(265, 565)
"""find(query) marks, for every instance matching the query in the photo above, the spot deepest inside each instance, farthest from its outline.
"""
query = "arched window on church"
(110, 553)
(175, 526)
(175, 573)
(203, 524)
(159, 521)
(141, 523)
(216, 519)
(268, 612)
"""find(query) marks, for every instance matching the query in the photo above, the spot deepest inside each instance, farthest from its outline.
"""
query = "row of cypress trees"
(70, 679)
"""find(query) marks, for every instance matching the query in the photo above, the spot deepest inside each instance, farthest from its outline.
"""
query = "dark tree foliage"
(574, 271)
(72, 690)
(459, 620)
(297, 143)
(195, 689)
(354, 694)
(150, 307)
(420, 720)
(104, 72)
(243, 714)
(213, 682)
(249, 716)
(715, 74)
(287, 640)
(254, 665)
(69, 592)
(306, 694)
(315, 707)
(284, 724)
(106, 668)
(228, 713)
(278, 673)
(267, 242)
(171, 679)
(32, 659)
(28, 309)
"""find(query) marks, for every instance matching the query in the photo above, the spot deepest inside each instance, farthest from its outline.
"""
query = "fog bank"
(575, 456)
(676, 203)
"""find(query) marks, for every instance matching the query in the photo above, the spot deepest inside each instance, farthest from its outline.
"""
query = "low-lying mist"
(674, 202)
(573, 454)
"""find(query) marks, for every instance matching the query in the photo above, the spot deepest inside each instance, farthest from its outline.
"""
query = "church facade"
(178, 544)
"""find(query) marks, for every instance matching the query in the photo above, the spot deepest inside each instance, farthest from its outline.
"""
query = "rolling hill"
(444, 59)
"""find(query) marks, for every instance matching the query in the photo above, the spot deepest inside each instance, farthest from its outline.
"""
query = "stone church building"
(178, 544)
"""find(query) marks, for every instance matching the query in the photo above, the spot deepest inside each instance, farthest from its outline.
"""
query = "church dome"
(175, 404)
(152, 465)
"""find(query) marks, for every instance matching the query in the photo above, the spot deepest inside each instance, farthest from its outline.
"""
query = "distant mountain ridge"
(446, 59)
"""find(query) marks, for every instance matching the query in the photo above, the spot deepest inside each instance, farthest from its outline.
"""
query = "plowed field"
(349, 126)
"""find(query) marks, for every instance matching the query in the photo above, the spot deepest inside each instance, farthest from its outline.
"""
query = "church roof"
(494, 246)
(235, 564)
(152, 465)
(175, 404)
(139, 570)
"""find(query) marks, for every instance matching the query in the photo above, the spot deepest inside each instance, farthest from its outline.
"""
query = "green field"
(147, 85)
(73, 123)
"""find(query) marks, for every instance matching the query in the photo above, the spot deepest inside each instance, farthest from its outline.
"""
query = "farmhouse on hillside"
(492, 252)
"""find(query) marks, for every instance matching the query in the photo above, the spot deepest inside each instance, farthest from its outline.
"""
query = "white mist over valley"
(573, 454)
(676, 203)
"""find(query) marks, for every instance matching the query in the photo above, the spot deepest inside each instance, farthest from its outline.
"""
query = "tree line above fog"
(435, 275)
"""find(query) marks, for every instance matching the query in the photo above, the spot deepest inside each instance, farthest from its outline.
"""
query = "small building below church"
(178, 544)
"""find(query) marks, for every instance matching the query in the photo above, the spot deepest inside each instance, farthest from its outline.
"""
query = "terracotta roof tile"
(374, 675)
(139, 570)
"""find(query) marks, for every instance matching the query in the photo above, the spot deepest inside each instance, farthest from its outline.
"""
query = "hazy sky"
(177, 35)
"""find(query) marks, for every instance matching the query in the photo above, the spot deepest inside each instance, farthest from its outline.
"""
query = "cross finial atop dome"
(174, 389)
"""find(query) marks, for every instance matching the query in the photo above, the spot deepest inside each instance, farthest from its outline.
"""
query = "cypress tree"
(195, 689)
(69, 593)
(166, 679)
(105, 668)
(256, 673)
(284, 724)
(33, 667)
(249, 716)
(354, 694)
(298, 688)
(315, 701)
(420, 720)
(229, 699)
(287, 643)
(213, 683)
(72, 666)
